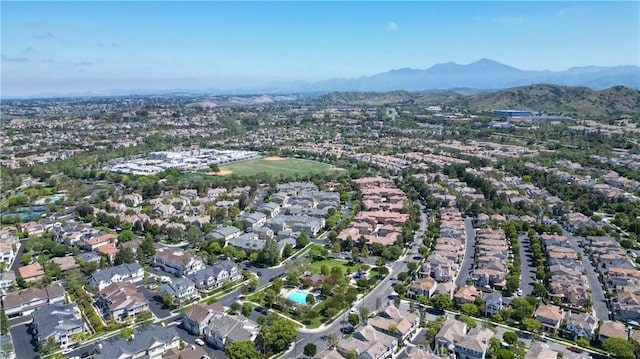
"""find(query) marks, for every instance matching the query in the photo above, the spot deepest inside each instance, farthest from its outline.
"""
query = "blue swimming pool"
(298, 296)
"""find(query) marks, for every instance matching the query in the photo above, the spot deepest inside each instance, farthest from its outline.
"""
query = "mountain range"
(483, 74)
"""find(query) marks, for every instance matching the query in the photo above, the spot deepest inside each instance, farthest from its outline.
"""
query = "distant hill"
(578, 101)
(484, 74)
(614, 101)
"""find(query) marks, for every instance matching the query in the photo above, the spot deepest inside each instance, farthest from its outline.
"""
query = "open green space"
(346, 266)
(285, 167)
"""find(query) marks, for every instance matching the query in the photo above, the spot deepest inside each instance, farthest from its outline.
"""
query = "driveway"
(469, 252)
(190, 339)
(23, 342)
(527, 266)
(155, 302)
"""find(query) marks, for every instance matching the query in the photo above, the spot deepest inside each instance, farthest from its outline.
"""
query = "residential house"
(253, 220)
(6, 253)
(474, 345)
(224, 233)
(121, 300)
(24, 302)
(216, 275)
(270, 209)
(197, 318)
(66, 264)
(146, 342)
(247, 242)
(109, 250)
(181, 289)
(539, 350)
(32, 272)
(550, 316)
(227, 329)
(7, 280)
(466, 294)
(177, 262)
(101, 278)
(422, 286)
(58, 321)
(188, 352)
(367, 342)
(395, 322)
(418, 353)
(582, 325)
(612, 329)
(100, 240)
(452, 330)
(493, 303)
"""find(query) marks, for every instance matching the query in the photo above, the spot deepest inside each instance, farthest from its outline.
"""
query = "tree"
(302, 240)
(413, 266)
(246, 309)
(4, 322)
(126, 236)
(167, 300)
(510, 337)
(310, 350)
(441, 301)
(352, 354)
(277, 334)
(311, 300)
(469, 309)
(194, 234)
(530, 324)
(214, 167)
(146, 250)
(364, 313)
(126, 333)
(125, 255)
(242, 350)
(332, 340)
(288, 250)
(619, 347)
(270, 254)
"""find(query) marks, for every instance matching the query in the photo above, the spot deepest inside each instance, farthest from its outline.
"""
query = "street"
(469, 251)
(527, 266)
(23, 343)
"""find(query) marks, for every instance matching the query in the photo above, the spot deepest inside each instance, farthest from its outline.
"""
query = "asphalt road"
(527, 266)
(23, 343)
(469, 252)
(155, 302)
(597, 292)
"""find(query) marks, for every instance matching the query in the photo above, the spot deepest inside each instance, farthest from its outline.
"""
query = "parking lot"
(23, 342)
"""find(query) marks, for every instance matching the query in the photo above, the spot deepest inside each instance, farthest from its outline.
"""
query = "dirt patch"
(221, 173)
(333, 168)
(275, 158)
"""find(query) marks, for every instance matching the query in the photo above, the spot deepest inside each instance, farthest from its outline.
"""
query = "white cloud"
(392, 26)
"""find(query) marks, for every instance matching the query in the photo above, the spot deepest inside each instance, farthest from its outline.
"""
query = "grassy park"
(275, 166)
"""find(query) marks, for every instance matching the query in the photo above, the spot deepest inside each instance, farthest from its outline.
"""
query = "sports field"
(275, 166)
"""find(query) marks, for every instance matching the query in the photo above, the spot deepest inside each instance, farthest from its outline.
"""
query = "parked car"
(199, 341)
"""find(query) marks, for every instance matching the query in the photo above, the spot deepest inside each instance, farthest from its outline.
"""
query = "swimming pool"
(57, 197)
(298, 296)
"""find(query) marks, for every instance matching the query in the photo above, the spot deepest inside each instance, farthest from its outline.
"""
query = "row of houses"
(567, 280)
(217, 327)
(381, 221)
(490, 263)
(619, 275)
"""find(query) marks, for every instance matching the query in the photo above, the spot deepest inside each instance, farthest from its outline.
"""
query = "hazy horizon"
(96, 47)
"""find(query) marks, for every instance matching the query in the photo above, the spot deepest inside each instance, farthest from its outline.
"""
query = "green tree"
(510, 337)
(302, 240)
(288, 250)
(124, 255)
(146, 250)
(242, 350)
(441, 301)
(310, 350)
(214, 167)
(311, 300)
(126, 236)
(277, 334)
(530, 324)
(126, 333)
(4, 322)
(270, 254)
(469, 309)
(194, 234)
(621, 348)
(167, 300)
(246, 309)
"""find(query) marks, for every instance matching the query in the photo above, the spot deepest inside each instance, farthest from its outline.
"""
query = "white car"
(199, 341)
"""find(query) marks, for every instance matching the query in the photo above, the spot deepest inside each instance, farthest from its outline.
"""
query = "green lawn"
(315, 266)
(285, 167)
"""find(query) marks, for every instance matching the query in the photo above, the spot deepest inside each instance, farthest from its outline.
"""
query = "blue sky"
(52, 47)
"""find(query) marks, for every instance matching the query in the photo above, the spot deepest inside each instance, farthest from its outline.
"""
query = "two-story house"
(181, 289)
(226, 329)
(216, 275)
(474, 345)
(197, 318)
(550, 316)
(146, 342)
(177, 262)
(581, 325)
(121, 300)
(58, 321)
(131, 272)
